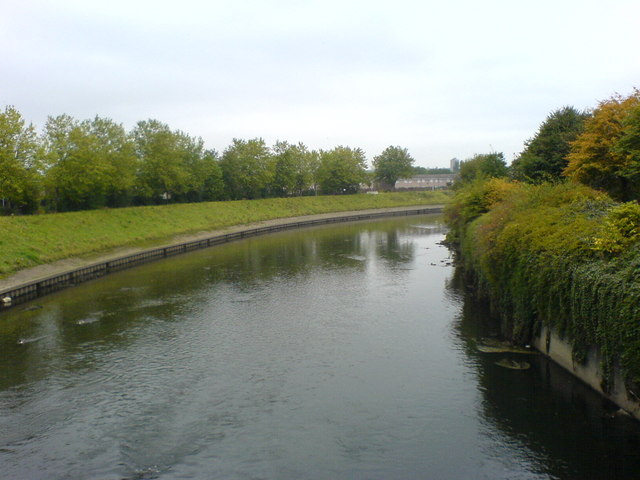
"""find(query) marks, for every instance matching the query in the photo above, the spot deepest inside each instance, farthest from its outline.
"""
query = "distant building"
(436, 181)
(454, 165)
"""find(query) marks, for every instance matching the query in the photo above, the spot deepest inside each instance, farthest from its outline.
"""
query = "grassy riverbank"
(27, 241)
(563, 255)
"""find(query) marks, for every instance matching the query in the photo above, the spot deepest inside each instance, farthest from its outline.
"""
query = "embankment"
(35, 282)
(560, 264)
(590, 370)
(26, 241)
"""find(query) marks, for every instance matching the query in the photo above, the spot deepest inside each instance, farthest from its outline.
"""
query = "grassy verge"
(32, 240)
(561, 255)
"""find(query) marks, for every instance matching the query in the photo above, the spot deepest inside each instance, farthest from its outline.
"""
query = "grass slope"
(26, 241)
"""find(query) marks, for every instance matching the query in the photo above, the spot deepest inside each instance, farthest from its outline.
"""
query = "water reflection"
(543, 410)
(110, 310)
(321, 353)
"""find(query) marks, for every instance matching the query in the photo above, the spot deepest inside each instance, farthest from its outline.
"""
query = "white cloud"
(442, 79)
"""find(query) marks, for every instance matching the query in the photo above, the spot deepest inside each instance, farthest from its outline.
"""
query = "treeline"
(79, 165)
(554, 239)
(598, 148)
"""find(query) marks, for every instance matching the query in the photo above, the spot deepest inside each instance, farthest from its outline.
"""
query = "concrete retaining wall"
(560, 351)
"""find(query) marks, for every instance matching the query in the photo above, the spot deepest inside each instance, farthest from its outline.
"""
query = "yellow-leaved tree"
(606, 156)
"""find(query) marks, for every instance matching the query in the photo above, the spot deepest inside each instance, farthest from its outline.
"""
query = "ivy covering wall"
(561, 255)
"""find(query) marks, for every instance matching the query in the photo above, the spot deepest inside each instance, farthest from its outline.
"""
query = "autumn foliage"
(606, 156)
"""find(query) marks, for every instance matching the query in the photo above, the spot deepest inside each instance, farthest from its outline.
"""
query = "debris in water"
(24, 341)
(513, 364)
(87, 321)
(492, 345)
(32, 308)
(622, 413)
(358, 258)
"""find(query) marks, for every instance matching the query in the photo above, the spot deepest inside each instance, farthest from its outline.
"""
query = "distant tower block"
(454, 165)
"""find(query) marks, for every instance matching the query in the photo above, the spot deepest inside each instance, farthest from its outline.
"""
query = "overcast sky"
(443, 79)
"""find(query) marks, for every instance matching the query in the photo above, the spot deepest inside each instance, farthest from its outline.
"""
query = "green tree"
(393, 163)
(544, 156)
(309, 182)
(418, 170)
(484, 165)
(89, 164)
(169, 163)
(341, 170)
(77, 177)
(603, 155)
(207, 183)
(293, 169)
(203, 177)
(57, 148)
(430, 171)
(247, 169)
(287, 159)
(114, 147)
(628, 146)
(19, 163)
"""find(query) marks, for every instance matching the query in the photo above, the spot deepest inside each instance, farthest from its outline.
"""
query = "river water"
(341, 352)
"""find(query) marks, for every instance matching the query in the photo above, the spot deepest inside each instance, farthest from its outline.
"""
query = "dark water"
(346, 352)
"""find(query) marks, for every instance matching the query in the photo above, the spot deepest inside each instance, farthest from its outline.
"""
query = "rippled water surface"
(340, 352)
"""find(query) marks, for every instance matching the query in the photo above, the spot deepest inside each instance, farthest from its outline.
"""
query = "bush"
(621, 229)
(474, 199)
(561, 255)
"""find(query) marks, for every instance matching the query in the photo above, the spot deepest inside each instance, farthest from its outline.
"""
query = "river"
(340, 352)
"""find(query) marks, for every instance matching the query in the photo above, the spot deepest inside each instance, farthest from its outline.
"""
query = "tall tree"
(599, 156)
(77, 178)
(544, 156)
(166, 162)
(90, 164)
(205, 175)
(19, 162)
(393, 163)
(286, 160)
(247, 169)
(56, 150)
(312, 167)
(483, 165)
(293, 169)
(341, 170)
(628, 146)
(115, 147)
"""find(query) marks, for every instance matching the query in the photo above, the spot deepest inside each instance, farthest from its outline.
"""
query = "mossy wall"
(559, 255)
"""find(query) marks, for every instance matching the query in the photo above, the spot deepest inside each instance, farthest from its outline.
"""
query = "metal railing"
(28, 291)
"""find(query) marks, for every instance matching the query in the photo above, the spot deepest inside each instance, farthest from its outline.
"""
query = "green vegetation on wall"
(562, 255)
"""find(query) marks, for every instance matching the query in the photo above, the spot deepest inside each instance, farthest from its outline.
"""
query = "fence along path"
(16, 295)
